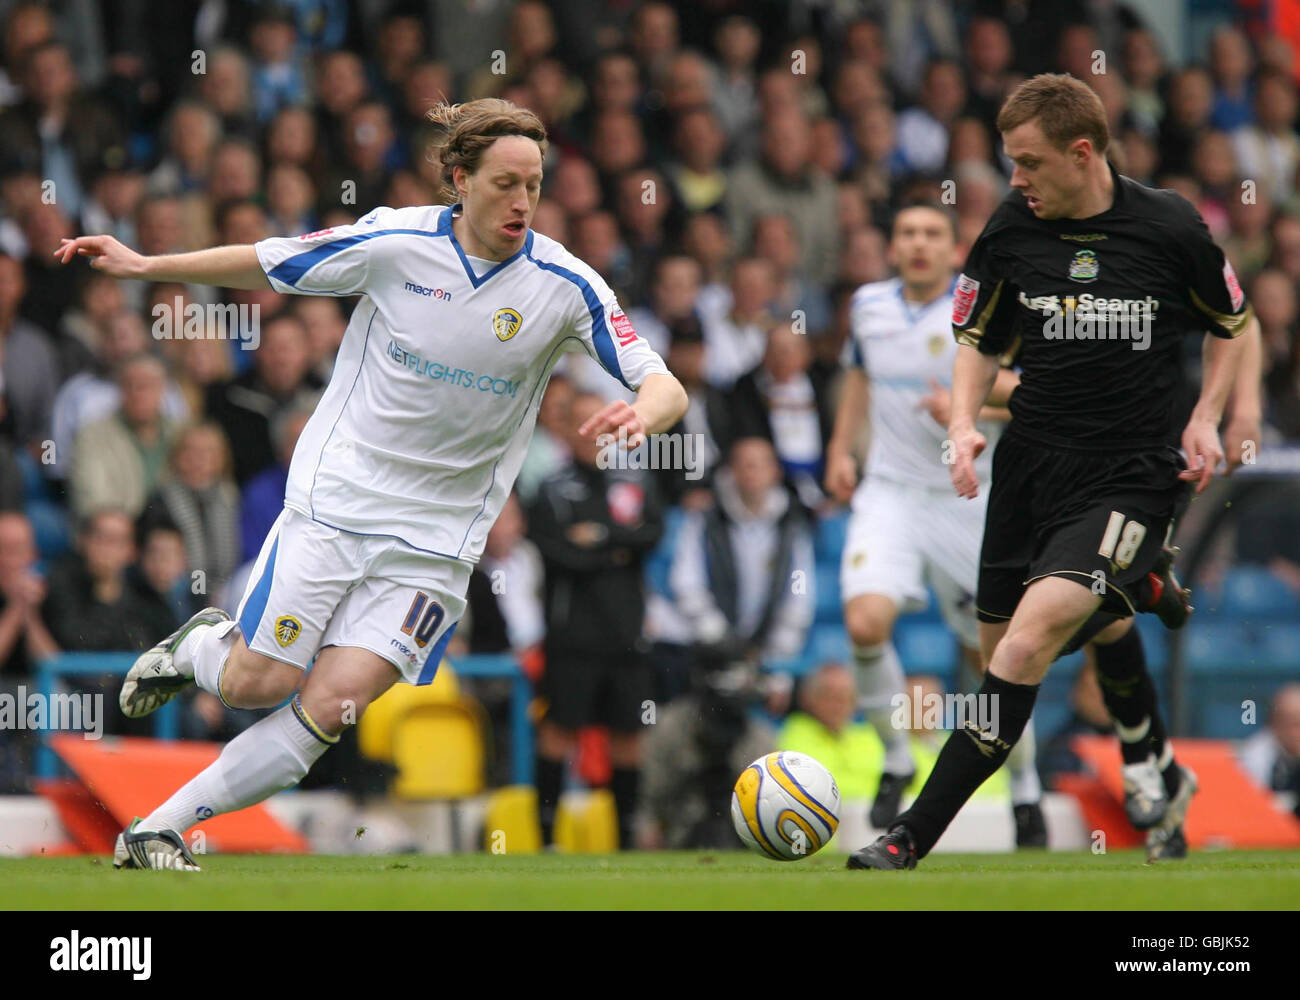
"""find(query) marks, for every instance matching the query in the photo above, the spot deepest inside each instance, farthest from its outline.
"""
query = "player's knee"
(866, 629)
(337, 703)
(251, 680)
(1022, 654)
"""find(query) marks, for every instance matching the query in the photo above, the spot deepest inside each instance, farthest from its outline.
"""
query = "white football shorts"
(901, 536)
(315, 586)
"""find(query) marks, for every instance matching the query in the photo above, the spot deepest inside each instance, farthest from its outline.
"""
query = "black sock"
(967, 759)
(1170, 772)
(1130, 695)
(550, 776)
(624, 783)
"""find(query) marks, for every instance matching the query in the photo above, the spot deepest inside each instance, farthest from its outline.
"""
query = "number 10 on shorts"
(1121, 541)
(422, 629)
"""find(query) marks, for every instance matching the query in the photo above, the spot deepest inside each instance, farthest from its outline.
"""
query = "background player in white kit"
(907, 525)
(403, 467)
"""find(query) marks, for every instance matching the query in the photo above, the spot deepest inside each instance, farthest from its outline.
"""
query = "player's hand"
(611, 417)
(106, 254)
(841, 475)
(1239, 438)
(964, 445)
(23, 590)
(1204, 453)
(938, 401)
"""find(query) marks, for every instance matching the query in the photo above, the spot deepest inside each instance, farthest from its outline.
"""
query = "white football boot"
(153, 680)
(157, 849)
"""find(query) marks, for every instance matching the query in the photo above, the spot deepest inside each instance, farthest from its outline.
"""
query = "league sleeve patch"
(963, 299)
(1235, 293)
(622, 327)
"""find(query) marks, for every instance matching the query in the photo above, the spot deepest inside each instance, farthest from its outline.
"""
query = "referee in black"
(1095, 279)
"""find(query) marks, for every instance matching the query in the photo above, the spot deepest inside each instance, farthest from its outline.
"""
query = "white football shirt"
(902, 346)
(435, 390)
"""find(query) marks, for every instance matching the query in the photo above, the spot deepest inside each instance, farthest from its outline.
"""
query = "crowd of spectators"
(729, 168)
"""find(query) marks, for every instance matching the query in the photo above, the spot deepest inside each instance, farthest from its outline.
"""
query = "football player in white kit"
(404, 465)
(907, 525)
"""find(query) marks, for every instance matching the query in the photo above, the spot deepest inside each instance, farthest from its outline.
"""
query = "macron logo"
(102, 954)
(436, 293)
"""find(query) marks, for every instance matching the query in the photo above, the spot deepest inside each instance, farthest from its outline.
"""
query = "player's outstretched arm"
(227, 267)
(973, 375)
(660, 403)
(841, 467)
(1221, 361)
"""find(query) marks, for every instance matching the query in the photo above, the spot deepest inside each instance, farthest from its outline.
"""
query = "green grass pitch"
(1224, 880)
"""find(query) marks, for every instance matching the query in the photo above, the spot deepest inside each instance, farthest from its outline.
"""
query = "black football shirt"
(1095, 311)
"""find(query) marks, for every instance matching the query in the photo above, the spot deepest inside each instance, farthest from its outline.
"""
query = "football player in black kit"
(1095, 280)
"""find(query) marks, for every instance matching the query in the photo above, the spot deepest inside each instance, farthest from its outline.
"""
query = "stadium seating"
(510, 823)
(829, 536)
(829, 610)
(586, 822)
(1253, 593)
(926, 647)
(406, 725)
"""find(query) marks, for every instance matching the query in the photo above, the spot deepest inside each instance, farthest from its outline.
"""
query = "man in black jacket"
(594, 526)
(787, 400)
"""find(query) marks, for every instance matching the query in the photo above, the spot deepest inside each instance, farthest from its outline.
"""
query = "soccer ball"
(786, 806)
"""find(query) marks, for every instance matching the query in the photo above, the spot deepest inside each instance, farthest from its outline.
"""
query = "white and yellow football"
(785, 806)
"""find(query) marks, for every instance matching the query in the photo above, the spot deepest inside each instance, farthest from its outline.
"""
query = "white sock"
(880, 681)
(204, 652)
(269, 756)
(1025, 786)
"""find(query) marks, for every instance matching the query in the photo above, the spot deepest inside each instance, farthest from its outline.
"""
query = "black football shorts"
(583, 688)
(1099, 518)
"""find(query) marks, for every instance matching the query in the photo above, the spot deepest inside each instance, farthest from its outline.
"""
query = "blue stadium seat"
(1253, 593)
(1207, 599)
(1219, 718)
(1219, 647)
(1155, 642)
(925, 647)
(828, 537)
(1278, 650)
(828, 595)
(1067, 666)
(829, 642)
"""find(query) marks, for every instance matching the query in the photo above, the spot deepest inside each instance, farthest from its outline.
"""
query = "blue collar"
(444, 229)
(914, 311)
